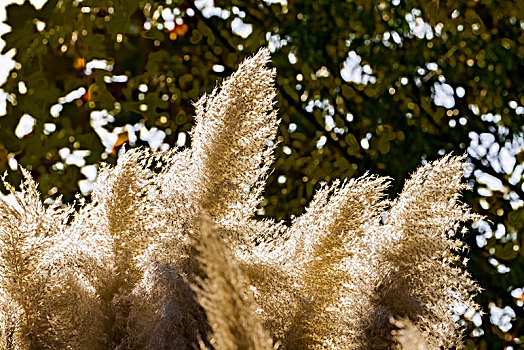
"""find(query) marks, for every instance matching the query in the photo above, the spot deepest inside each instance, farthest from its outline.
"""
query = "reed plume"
(168, 253)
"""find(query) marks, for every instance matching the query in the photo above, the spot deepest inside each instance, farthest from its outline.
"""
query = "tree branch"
(490, 171)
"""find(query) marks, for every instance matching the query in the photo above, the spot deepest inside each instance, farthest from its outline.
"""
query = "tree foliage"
(362, 85)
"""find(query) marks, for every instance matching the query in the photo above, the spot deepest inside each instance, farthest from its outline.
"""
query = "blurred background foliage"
(379, 86)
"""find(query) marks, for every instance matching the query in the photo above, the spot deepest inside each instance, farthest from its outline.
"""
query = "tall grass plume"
(172, 257)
